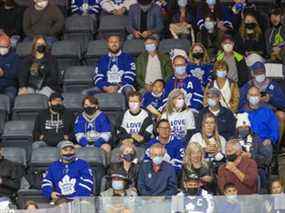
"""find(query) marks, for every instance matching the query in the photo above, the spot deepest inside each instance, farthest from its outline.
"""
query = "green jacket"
(141, 64)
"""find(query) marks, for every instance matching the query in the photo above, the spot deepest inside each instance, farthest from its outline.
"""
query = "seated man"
(115, 7)
(43, 18)
(241, 171)
(115, 72)
(10, 66)
(225, 117)
(157, 177)
(272, 94)
(180, 80)
(54, 124)
(145, 19)
(152, 64)
(137, 125)
(10, 176)
(69, 177)
(173, 146)
(264, 123)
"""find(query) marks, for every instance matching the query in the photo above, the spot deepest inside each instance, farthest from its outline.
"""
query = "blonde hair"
(205, 59)
(193, 147)
(170, 103)
(216, 135)
(257, 30)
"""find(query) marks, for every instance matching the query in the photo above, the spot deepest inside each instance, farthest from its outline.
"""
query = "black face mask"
(192, 191)
(232, 157)
(41, 48)
(58, 108)
(197, 55)
(90, 110)
(129, 157)
(250, 26)
(277, 26)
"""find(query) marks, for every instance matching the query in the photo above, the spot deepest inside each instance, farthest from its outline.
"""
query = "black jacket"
(226, 121)
(54, 126)
(11, 174)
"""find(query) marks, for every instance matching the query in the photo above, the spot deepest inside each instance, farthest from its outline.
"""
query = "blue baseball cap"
(257, 66)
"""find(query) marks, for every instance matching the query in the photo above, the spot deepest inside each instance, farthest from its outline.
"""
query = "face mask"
(260, 78)
(179, 103)
(211, 2)
(4, 51)
(221, 73)
(250, 26)
(150, 47)
(42, 4)
(212, 102)
(253, 100)
(90, 110)
(192, 191)
(134, 106)
(41, 48)
(232, 157)
(129, 157)
(118, 185)
(157, 95)
(210, 25)
(157, 160)
(68, 157)
(228, 48)
(197, 55)
(182, 3)
(180, 70)
(244, 132)
(57, 108)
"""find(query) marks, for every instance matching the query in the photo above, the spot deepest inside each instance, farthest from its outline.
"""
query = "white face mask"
(182, 3)
(221, 73)
(253, 100)
(179, 103)
(260, 78)
(42, 5)
(4, 51)
(228, 48)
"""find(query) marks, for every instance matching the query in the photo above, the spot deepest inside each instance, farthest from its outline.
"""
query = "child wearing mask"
(200, 66)
(181, 118)
(137, 125)
(92, 127)
(153, 100)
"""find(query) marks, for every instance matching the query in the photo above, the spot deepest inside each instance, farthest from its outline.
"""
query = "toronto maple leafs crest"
(198, 73)
(115, 75)
(67, 185)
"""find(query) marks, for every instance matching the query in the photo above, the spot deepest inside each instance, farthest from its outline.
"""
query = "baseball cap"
(64, 144)
(257, 66)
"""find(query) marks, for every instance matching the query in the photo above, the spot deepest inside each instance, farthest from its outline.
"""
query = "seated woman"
(180, 117)
(194, 162)
(250, 38)
(128, 162)
(92, 127)
(199, 65)
(210, 140)
(40, 74)
(228, 88)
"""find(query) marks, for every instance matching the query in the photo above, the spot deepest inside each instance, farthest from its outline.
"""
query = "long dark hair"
(218, 11)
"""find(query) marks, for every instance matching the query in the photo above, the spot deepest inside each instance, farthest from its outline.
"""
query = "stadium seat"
(4, 110)
(16, 154)
(73, 101)
(35, 195)
(115, 154)
(80, 29)
(95, 50)
(67, 53)
(111, 24)
(167, 45)
(97, 161)
(133, 47)
(24, 49)
(28, 107)
(19, 134)
(77, 78)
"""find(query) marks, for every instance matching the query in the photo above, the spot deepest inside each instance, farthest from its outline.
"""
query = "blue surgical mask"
(157, 160)
(182, 3)
(150, 47)
(253, 100)
(211, 2)
(221, 73)
(69, 157)
(180, 70)
(212, 102)
(260, 78)
(118, 185)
